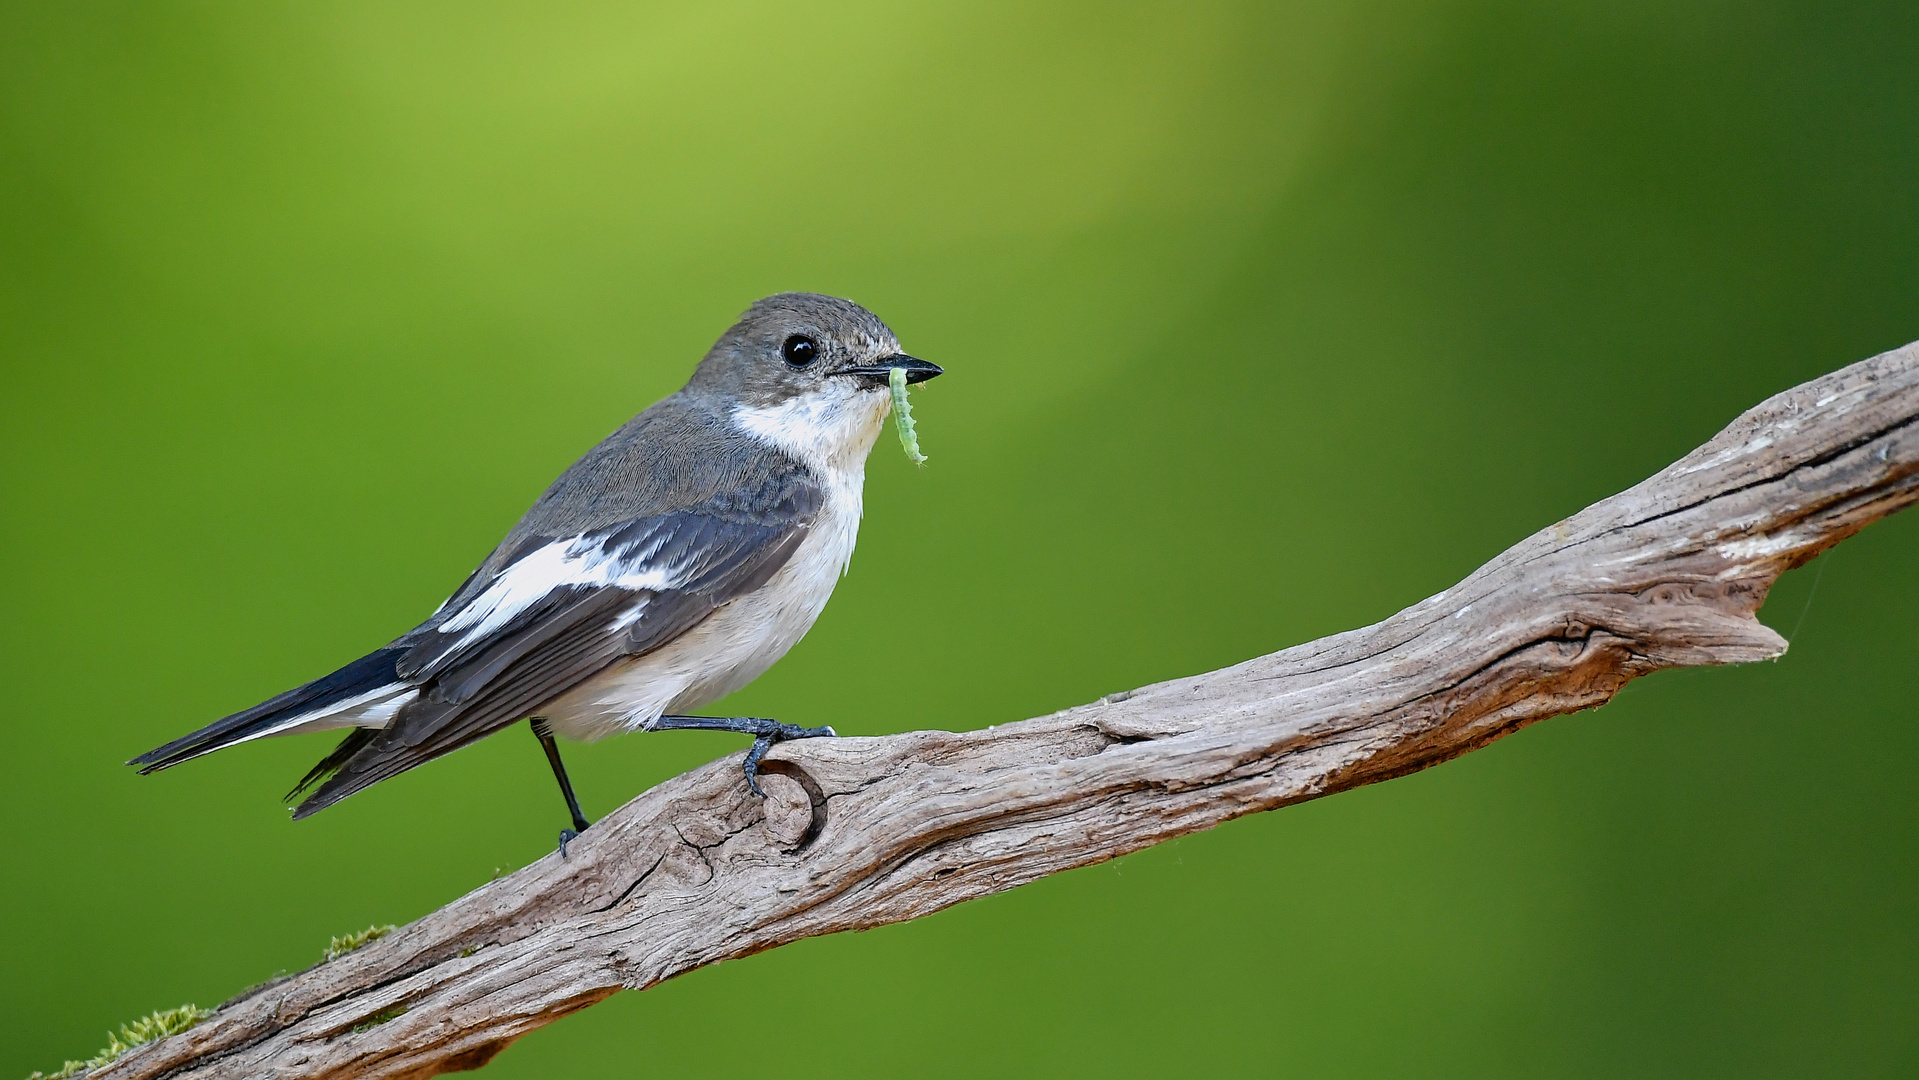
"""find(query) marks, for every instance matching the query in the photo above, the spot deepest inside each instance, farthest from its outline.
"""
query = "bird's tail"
(329, 765)
(364, 680)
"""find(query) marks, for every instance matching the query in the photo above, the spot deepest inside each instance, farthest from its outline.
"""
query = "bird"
(668, 567)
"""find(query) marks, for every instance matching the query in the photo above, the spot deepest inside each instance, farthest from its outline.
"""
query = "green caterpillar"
(903, 417)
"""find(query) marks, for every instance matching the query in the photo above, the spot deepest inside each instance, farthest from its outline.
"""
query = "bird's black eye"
(799, 351)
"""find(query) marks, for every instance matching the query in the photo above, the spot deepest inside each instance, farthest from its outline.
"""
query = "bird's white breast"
(830, 431)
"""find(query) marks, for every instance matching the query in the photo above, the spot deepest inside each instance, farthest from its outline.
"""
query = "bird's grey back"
(677, 454)
(680, 454)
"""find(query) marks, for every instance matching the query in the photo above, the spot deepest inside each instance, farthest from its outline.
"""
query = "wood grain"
(860, 832)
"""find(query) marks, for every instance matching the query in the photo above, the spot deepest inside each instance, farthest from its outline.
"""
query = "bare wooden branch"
(860, 832)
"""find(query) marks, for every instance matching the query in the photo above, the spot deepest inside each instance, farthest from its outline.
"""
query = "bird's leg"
(545, 735)
(765, 733)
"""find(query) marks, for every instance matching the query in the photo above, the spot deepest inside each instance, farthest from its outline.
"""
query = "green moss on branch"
(167, 1022)
(147, 1029)
(340, 946)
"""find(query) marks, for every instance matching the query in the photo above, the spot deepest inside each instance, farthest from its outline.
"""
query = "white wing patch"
(630, 616)
(574, 561)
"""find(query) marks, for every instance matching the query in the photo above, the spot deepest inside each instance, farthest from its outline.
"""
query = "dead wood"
(860, 832)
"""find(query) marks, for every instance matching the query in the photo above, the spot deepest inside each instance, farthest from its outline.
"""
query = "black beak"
(917, 370)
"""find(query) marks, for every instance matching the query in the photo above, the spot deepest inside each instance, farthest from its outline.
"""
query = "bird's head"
(808, 373)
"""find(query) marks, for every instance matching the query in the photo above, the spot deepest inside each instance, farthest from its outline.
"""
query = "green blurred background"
(1262, 321)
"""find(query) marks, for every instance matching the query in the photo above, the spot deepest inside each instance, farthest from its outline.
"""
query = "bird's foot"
(779, 733)
(765, 733)
(567, 836)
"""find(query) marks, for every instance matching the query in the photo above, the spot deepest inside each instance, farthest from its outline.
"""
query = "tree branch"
(861, 832)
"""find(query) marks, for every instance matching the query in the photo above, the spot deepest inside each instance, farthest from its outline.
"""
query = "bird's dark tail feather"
(364, 758)
(332, 763)
(370, 672)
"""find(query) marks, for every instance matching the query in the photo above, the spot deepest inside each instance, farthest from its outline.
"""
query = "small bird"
(667, 568)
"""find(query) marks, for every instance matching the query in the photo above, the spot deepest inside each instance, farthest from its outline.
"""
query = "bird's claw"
(567, 836)
(775, 733)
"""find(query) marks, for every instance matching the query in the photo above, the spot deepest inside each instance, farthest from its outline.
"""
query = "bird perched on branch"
(667, 568)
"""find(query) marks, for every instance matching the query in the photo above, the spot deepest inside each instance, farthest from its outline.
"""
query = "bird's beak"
(917, 370)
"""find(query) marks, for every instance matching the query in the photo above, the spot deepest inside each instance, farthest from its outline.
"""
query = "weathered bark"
(860, 832)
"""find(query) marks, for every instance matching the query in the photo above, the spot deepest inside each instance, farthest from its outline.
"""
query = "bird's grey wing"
(557, 613)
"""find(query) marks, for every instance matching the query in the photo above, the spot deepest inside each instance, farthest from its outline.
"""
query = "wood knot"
(795, 805)
(1674, 592)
